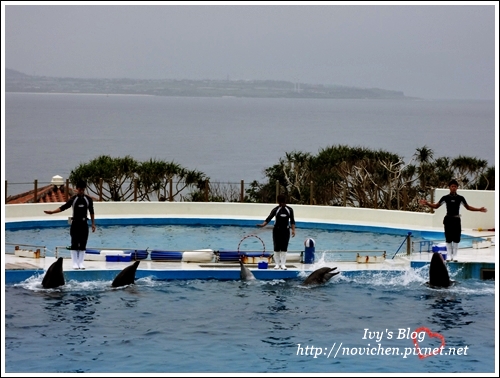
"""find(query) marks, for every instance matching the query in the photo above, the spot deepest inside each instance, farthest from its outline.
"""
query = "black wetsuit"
(79, 229)
(452, 223)
(281, 231)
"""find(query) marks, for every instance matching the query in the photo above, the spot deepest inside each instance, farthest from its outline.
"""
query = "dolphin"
(126, 276)
(54, 276)
(320, 276)
(245, 273)
(438, 272)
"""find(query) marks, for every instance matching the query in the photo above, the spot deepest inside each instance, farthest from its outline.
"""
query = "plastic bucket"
(440, 248)
(309, 251)
(262, 264)
(125, 257)
(112, 258)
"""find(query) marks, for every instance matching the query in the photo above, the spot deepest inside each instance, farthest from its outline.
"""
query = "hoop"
(255, 236)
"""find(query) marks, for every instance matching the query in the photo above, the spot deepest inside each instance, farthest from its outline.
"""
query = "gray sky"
(429, 51)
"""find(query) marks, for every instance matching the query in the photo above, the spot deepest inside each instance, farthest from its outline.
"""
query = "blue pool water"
(210, 326)
(188, 237)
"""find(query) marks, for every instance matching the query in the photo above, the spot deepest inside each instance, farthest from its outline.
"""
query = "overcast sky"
(429, 51)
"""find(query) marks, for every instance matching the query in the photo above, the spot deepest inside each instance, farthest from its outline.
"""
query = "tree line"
(337, 176)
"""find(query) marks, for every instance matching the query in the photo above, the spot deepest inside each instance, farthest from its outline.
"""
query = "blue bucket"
(440, 248)
(262, 264)
(309, 251)
(113, 258)
(125, 257)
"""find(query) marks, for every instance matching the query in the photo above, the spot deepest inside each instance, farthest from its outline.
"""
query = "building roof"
(46, 194)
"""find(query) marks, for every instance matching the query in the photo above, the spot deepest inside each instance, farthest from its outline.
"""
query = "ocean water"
(353, 324)
(229, 139)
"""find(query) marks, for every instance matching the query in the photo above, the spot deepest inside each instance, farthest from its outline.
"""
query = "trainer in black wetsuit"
(284, 221)
(79, 229)
(451, 221)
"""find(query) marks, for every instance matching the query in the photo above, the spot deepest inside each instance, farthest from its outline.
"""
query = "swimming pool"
(192, 237)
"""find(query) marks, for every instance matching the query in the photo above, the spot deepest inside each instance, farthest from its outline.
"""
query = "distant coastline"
(16, 81)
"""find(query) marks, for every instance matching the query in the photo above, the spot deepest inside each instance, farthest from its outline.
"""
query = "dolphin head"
(320, 276)
(245, 273)
(438, 272)
(54, 276)
(126, 276)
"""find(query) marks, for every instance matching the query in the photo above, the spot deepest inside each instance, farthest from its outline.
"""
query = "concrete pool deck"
(477, 263)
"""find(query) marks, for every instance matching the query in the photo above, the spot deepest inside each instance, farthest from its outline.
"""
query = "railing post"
(135, 190)
(408, 244)
(242, 191)
(171, 190)
(432, 200)
(206, 190)
(35, 191)
(376, 197)
(66, 194)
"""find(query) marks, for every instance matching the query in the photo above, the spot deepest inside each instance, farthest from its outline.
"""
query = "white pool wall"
(258, 212)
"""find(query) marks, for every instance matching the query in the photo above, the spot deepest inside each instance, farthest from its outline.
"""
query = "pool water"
(210, 326)
(187, 237)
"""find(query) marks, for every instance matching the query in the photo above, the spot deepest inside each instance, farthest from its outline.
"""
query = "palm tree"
(468, 169)
(115, 175)
(424, 156)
